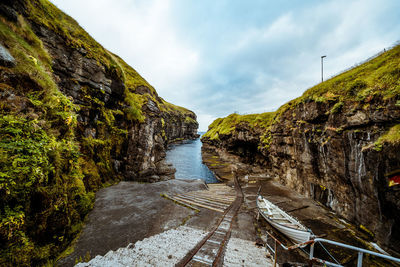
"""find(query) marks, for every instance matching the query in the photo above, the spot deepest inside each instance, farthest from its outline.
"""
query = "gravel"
(241, 252)
(167, 248)
(164, 249)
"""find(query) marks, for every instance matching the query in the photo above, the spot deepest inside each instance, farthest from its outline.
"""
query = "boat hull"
(298, 236)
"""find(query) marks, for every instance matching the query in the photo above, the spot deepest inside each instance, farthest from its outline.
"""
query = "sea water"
(187, 160)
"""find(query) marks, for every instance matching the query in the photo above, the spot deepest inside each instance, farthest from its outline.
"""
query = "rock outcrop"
(73, 118)
(6, 59)
(341, 148)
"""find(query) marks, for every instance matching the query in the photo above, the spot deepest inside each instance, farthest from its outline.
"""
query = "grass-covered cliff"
(74, 117)
(338, 143)
(378, 78)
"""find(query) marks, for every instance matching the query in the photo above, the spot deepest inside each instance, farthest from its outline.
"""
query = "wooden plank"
(211, 197)
(217, 205)
(179, 202)
(227, 203)
(212, 194)
(215, 193)
(201, 205)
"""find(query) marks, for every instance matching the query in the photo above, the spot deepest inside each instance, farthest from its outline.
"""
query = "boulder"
(6, 59)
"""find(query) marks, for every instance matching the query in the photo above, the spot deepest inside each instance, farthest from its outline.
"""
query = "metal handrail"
(312, 242)
(360, 251)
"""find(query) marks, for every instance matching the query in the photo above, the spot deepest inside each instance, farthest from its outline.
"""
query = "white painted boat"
(283, 222)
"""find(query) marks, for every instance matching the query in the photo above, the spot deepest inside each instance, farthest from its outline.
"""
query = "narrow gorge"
(89, 150)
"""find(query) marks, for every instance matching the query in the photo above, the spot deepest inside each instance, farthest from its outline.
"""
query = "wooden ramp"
(218, 197)
(210, 250)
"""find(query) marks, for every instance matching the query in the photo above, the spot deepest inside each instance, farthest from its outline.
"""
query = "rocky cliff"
(74, 117)
(339, 143)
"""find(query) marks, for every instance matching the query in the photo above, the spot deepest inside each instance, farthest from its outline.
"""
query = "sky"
(216, 57)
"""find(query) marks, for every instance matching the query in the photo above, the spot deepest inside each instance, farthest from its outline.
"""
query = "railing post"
(312, 251)
(360, 259)
(275, 255)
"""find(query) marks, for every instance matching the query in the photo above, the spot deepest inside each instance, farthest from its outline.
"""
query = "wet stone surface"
(128, 212)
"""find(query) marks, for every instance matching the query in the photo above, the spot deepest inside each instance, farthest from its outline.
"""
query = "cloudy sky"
(216, 57)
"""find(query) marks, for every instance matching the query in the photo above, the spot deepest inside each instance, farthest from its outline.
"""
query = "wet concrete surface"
(130, 211)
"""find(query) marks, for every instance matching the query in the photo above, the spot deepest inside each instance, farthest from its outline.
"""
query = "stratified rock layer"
(341, 150)
(84, 80)
(74, 117)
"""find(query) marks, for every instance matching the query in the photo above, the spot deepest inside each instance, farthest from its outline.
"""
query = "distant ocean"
(186, 158)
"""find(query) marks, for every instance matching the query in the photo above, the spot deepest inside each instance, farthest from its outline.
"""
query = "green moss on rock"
(379, 77)
(392, 136)
(49, 168)
(225, 126)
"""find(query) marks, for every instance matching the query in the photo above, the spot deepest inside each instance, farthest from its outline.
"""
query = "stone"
(152, 106)
(330, 158)
(6, 59)
(357, 119)
(153, 178)
(8, 13)
(165, 168)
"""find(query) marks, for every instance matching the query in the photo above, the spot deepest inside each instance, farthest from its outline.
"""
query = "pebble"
(167, 248)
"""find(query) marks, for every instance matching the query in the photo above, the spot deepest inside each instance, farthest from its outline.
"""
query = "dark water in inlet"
(186, 158)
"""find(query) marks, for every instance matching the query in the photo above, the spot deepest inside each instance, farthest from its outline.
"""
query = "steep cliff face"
(339, 144)
(73, 118)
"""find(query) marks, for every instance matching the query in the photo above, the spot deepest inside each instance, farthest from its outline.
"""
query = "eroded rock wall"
(86, 81)
(74, 118)
(331, 157)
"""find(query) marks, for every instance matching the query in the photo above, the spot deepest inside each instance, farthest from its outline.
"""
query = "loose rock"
(6, 59)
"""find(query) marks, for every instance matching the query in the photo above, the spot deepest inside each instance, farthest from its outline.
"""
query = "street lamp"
(322, 68)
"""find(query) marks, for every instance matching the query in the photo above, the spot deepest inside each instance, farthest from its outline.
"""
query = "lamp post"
(322, 68)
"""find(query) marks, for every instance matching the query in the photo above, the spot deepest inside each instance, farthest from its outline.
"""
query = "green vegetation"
(42, 193)
(392, 136)
(337, 107)
(174, 109)
(379, 77)
(42, 189)
(45, 13)
(190, 120)
(134, 109)
(51, 165)
(225, 126)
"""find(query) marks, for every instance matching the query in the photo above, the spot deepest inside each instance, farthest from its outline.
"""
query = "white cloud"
(141, 33)
(216, 59)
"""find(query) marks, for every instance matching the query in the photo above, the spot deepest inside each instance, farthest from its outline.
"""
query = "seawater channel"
(187, 160)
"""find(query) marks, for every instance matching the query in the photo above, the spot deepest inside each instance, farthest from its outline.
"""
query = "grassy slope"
(45, 13)
(224, 126)
(379, 77)
(48, 175)
(39, 155)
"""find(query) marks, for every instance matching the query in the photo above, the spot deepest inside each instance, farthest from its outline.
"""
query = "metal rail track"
(210, 250)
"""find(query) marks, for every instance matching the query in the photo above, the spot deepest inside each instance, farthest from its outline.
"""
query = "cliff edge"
(74, 117)
(339, 143)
